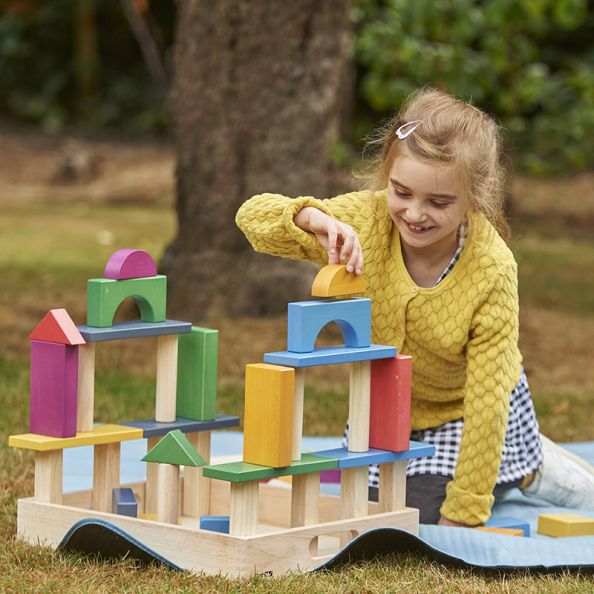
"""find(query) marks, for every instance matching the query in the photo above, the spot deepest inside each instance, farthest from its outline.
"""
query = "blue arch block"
(307, 318)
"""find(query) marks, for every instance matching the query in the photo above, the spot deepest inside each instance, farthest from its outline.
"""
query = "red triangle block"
(57, 326)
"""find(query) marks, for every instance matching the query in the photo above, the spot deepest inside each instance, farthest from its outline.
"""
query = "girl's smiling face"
(426, 204)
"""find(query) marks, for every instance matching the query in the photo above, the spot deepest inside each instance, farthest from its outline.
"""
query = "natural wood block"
(298, 413)
(359, 406)
(305, 496)
(48, 476)
(354, 492)
(168, 494)
(244, 509)
(166, 378)
(152, 479)
(392, 486)
(196, 492)
(86, 387)
(268, 416)
(106, 475)
(565, 524)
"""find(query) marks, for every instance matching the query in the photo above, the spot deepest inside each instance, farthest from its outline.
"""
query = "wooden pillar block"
(392, 487)
(244, 508)
(166, 378)
(196, 497)
(86, 387)
(298, 413)
(48, 476)
(389, 423)
(168, 494)
(305, 499)
(268, 416)
(106, 475)
(359, 403)
(354, 492)
(152, 480)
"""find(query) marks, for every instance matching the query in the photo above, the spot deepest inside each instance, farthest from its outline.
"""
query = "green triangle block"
(174, 448)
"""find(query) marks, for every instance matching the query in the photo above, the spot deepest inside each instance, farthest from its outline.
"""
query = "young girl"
(444, 290)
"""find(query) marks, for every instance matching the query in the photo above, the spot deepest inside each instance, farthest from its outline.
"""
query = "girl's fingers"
(347, 246)
(332, 238)
(355, 263)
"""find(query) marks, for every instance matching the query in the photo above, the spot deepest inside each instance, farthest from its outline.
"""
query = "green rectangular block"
(242, 472)
(197, 372)
(105, 295)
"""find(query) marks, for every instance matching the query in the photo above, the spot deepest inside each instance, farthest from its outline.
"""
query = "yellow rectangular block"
(99, 435)
(565, 525)
(268, 414)
(508, 531)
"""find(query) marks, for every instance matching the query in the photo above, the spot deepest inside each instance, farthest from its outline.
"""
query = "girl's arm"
(493, 368)
(308, 229)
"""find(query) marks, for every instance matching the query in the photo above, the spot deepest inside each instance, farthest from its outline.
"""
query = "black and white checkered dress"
(522, 451)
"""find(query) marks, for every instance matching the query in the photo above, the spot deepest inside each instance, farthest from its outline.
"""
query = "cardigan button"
(415, 289)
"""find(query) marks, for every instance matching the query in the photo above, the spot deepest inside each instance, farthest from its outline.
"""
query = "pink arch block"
(130, 263)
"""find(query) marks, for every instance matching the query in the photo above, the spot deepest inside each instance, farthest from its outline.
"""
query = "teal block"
(197, 371)
(105, 295)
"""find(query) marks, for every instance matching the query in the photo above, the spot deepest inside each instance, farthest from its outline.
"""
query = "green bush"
(530, 63)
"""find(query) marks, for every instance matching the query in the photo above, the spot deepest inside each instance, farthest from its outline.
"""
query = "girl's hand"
(445, 522)
(338, 239)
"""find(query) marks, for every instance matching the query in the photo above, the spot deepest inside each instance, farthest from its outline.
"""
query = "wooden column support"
(152, 480)
(48, 476)
(392, 486)
(196, 497)
(86, 387)
(106, 475)
(168, 494)
(359, 406)
(298, 413)
(166, 378)
(305, 498)
(244, 509)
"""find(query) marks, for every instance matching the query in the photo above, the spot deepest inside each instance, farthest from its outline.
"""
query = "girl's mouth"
(417, 229)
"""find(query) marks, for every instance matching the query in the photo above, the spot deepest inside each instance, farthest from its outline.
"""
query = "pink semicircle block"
(130, 263)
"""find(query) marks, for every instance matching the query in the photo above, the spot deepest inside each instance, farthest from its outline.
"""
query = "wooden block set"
(218, 518)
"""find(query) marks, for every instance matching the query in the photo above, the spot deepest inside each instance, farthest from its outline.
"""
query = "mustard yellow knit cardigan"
(462, 334)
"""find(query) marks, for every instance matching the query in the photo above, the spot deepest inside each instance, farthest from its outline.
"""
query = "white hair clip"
(413, 126)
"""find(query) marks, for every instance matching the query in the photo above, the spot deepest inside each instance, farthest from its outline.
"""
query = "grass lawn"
(48, 251)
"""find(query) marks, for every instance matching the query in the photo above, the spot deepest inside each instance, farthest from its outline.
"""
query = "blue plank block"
(153, 428)
(124, 503)
(348, 459)
(509, 522)
(307, 318)
(125, 330)
(330, 355)
(215, 523)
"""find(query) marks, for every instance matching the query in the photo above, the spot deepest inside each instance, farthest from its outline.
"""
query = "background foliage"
(528, 62)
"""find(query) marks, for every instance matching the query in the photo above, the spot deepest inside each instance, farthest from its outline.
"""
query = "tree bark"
(257, 100)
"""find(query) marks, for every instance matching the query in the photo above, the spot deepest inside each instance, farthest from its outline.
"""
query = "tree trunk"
(257, 100)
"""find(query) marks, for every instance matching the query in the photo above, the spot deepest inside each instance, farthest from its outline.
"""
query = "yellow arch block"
(334, 281)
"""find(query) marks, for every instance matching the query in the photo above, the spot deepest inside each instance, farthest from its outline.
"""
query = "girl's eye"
(401, 194)
(439, 204)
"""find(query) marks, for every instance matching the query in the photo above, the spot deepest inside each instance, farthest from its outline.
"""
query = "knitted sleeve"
(493, 368)
(267, 222)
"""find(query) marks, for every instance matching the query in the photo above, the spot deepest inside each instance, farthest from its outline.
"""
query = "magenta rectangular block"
(54, 379)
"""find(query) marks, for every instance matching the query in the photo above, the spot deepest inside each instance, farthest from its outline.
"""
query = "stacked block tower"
(218, 518)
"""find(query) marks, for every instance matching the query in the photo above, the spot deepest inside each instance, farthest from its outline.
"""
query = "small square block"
(215, 523)
(123, 502)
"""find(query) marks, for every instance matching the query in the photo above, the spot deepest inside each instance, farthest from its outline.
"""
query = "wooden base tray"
(275, 549)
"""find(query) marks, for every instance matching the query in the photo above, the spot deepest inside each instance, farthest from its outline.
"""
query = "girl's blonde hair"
(451, 132)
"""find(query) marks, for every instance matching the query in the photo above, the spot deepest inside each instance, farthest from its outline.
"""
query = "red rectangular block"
(389, 422)
(54, 377)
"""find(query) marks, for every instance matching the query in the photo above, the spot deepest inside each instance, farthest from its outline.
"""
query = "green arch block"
(105, 295)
